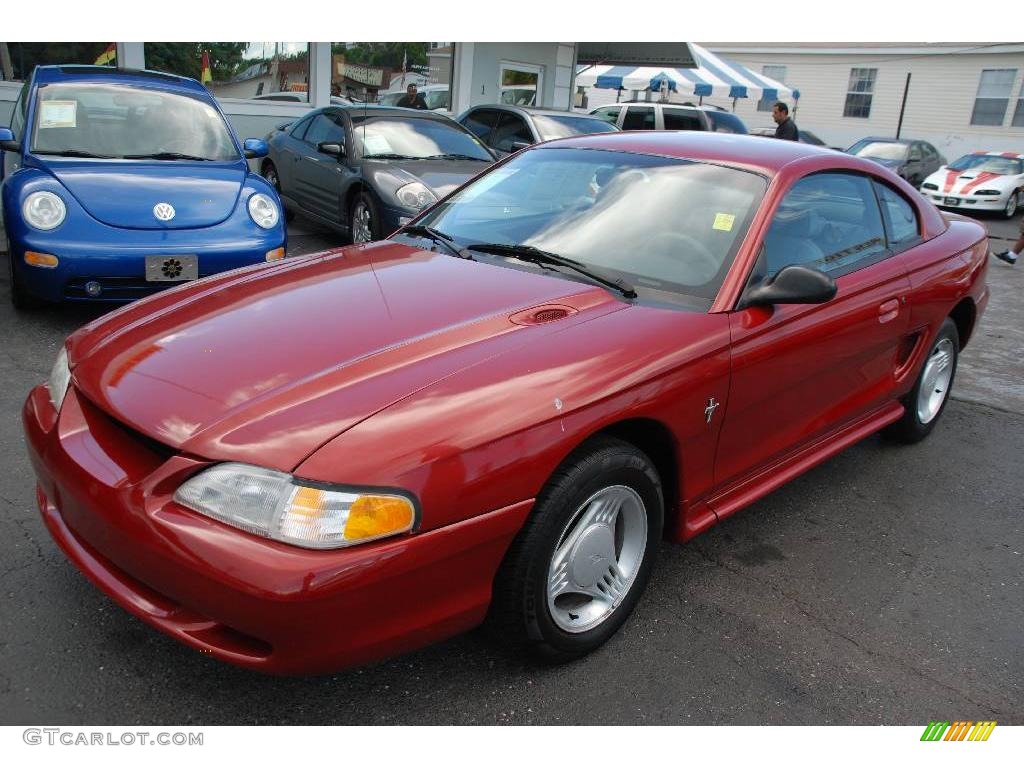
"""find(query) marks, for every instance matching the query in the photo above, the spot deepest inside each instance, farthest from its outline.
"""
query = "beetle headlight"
(263, 210)
(60, 378)
(415, 195)
(281, 507)
(43, 210)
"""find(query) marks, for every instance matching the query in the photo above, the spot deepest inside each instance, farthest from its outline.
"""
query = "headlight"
(60, 377)
(415, 195)
(278, 506)
(263, 210)
(43, 210)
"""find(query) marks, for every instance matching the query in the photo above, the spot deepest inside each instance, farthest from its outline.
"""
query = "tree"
(187, 58)
(388, 55)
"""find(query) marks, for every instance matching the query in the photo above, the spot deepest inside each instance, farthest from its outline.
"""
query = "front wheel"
(927, 400)
(577, 569)
(364, 220)
(1012, 203)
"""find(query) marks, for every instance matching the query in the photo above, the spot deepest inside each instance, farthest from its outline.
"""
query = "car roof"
(752, 152)
(523, 110)
(380, 110)
(65, 73)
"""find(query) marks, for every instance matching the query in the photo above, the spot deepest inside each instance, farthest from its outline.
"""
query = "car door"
(288, 149)
(681, 119)
(511, 130)
(320, 176)
(639, 117)
(800, 372)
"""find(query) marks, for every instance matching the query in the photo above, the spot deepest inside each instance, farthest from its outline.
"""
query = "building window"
(993, 97)
(776, 72)
(1018, 113)
(859, 91)
(519, 84)
(17, 60)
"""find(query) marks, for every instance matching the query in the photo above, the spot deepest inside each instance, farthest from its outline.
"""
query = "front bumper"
(120, 269)
(966, 202)
(105, 494)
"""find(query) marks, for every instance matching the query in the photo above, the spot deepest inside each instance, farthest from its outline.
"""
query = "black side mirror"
(332, 148)
(517, 145)
(8, 142)
(794, 284)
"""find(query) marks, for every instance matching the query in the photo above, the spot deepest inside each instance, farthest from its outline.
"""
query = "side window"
(827, 221)
(900, 218)
(300, 127)
(481, 123)
(725, 122)
(680, 120)
(608, 114)
(511, 128)
(18, 116)
(638, 119)
(323, 128)
(914, 153)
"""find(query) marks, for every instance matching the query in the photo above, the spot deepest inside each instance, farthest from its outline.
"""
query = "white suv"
(661, 116)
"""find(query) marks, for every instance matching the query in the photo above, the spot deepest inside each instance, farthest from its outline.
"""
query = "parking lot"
(883, 587)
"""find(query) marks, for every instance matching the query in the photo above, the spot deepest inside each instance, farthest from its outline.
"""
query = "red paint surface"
(386, 365)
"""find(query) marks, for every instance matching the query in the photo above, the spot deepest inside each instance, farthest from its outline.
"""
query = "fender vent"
(540, 315)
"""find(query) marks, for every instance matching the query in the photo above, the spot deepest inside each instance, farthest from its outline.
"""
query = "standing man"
(785, 127)
(1011, 256)
(412, 99)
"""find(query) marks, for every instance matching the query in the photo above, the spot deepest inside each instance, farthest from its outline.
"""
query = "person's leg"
(1011, 256)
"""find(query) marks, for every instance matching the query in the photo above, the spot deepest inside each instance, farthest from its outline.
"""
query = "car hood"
(442, 176)
(124, 194)
(267, 364)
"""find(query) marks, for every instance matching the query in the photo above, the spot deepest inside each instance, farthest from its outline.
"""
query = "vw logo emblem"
(163, 211)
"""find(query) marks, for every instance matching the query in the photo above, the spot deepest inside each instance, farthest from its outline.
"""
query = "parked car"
(367, 170)
(806, 137)
(658, 116)
(120, 183)
(911, 159)
(436, 97)
(980, 181)
(506, 128)
(501, 410)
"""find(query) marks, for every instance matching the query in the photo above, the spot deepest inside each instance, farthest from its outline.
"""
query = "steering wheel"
(688, 252)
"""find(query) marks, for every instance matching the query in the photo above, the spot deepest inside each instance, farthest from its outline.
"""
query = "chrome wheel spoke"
(938, 373)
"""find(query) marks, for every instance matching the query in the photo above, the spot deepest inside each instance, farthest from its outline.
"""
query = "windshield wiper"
(537, 256)
(438, 237)
(389, 156)
(457, 156)
(70, 153)
(165, 156)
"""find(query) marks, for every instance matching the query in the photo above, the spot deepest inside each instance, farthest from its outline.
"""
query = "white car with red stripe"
(981, 181)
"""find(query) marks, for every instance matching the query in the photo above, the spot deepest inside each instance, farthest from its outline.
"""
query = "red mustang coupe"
(499, 412)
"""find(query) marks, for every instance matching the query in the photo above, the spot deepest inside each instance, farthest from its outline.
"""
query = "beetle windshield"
(413, 138)
(118, 120)
(668, 227)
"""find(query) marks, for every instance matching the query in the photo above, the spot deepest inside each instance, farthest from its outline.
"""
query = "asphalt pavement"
(883, 587)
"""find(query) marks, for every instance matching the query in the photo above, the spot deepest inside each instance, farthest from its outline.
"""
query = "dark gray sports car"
(368, 170)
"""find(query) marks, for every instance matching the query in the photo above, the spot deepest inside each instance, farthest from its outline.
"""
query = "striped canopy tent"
(714, 77)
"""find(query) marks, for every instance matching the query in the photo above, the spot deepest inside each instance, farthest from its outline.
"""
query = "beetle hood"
(266, 365)
(125, 194)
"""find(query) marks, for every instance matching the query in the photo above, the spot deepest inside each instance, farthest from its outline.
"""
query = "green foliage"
(187, 58)
(383, 54)
(26, 56)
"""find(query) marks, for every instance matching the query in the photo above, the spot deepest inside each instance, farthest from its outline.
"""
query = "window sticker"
(377, 145)
(58, 114)
(724, 222)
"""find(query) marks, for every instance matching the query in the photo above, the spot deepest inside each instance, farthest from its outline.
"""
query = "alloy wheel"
(938, 372)
(362, 223)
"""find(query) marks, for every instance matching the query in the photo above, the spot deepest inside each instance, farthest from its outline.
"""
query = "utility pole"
(903, 106)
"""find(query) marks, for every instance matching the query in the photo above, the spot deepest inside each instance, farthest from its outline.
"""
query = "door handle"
(888, 310)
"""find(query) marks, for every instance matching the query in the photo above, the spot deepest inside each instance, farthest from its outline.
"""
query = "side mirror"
(794, 284)
(333, 148)
(517, 145)
(7, 141)
(255, 148)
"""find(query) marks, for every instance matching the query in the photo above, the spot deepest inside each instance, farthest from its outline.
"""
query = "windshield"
(116, 120)
(560, 126)
(436, 99)
(415, 138)
(1009, 166)
(880, 150)
(668, 227)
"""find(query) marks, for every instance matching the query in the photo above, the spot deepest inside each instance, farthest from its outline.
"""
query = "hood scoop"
(547, 313)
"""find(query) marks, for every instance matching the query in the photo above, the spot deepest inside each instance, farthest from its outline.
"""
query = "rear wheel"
(270, 174)
(927, 400)
(581, 562)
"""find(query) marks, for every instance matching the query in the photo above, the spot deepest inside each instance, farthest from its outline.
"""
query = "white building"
(961, 96)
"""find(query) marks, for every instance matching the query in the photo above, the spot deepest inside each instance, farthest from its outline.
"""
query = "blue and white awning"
(714, 77)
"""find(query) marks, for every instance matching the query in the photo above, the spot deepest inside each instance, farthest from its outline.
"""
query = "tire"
(925, 403)
(1012, 204)
(364, 219)
(610, 554)
(269, 172)
(21, 299)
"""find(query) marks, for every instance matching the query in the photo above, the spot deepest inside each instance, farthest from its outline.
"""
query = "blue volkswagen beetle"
(119, 183)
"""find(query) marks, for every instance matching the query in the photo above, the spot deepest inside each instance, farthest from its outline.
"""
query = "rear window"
(725, 122)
